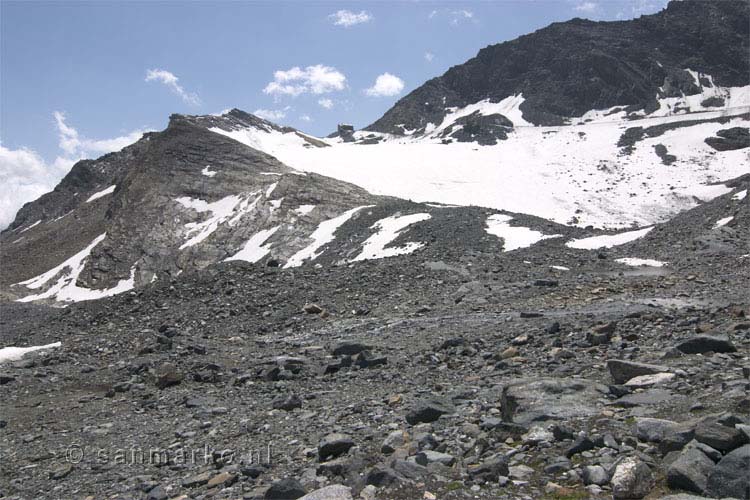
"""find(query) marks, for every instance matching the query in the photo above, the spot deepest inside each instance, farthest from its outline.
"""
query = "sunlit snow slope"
(572, 174)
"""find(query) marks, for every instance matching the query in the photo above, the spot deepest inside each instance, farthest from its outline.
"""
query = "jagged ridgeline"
(570, 68)
(608, 124)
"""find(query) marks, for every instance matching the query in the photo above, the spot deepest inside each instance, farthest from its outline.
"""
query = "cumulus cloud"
(26, 176)
(77, 147)
(347, 18)
(317, 79)
(386, 85)
(271, 114)
(171, 82)
(429, 56)
(325, 103)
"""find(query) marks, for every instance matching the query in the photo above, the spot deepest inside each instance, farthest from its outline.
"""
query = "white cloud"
(271, 114)
(642, 7)
(587, 7)
(347, 18)
(26, 176)
(386, 85)
(432, 14)
(77, 147)
(429, 56)
(305, 118)
(326, 103)
(171, 81)
(317, 79)
(457, 16)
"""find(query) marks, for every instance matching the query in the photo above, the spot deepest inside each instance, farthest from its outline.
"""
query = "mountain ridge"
(617, 63)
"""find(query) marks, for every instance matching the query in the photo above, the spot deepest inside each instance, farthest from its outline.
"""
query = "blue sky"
(75, 75)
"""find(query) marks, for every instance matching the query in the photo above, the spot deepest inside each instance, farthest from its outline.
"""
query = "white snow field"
(572, 174)
(16, 353)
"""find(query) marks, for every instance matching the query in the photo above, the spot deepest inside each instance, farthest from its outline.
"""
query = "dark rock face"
(730, 138)
(486, 130)
(569, 68)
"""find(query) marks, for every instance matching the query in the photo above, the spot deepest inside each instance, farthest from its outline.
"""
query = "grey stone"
(595, 474)
(706, 343)
(730, 477)
(333, 492)
(393, 441)
(720, 437)
(429, 410)
(541, 399)
(334, 445)
(632, 479)
(427, 457)
(690, 471)
(285, 489)
(622, 370)
(490, 470)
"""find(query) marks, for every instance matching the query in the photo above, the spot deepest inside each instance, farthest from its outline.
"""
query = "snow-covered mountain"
(552, 154)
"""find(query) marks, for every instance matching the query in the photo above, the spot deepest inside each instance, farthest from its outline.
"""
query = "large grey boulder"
(632, 479)
(541, 399)
(731, 476)
(622, 370)
(333, 492)
(690, 471)
(706, 343)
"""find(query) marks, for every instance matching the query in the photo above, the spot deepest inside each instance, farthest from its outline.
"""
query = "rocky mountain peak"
(569, 68)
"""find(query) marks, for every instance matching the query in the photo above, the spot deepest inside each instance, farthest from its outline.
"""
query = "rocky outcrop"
(568, 68)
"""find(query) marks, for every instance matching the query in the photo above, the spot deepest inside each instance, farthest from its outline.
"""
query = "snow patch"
(65, 288)
(608, 241)
(514, 237)
(254, 249)
(208, 172)
(723, 222)
(323, 235)
(221, 211)
(16, 353)
(304, 209)
(560, 268)
(636, 262)
(388, 229)
(740, 195)
(33, 225)
(100, 194)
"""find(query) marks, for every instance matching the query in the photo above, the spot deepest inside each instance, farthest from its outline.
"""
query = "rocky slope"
(414, 311)
(570, 68)
(544, 372)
